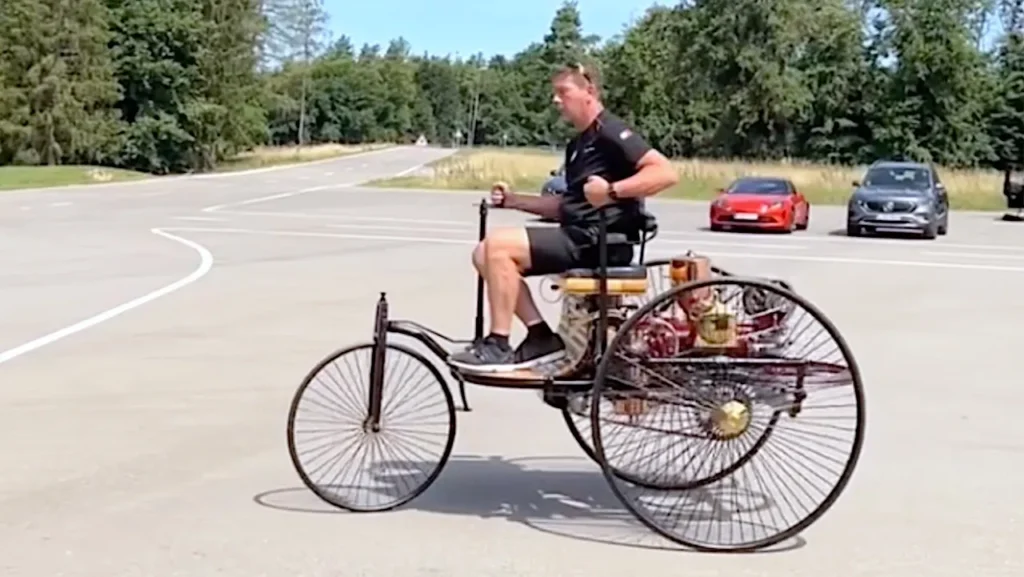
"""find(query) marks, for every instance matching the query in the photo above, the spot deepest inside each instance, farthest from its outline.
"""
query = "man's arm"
(542, 206)
(654, 172)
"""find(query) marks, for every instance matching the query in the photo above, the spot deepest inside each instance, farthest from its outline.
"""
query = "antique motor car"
(706, 401)
(760, 202)
(899, 196)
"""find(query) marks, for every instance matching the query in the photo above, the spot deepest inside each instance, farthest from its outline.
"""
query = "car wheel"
(716, 228)
(931, 231)
(806, 222)
(854, 230)
(944, 228)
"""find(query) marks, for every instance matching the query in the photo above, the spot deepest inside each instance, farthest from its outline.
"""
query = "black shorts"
(553, 250)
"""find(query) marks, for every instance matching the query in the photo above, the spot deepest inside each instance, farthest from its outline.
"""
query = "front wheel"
(931, 231)
(359, 468)
(806, 221)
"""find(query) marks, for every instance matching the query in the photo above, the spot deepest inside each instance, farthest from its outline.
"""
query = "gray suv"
(902, 196)
(556, 184)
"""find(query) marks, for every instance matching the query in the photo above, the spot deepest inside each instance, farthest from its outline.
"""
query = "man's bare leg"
(501, 259)
(526, 308)
(506, 254)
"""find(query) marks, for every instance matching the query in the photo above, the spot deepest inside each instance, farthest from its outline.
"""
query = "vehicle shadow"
(576, 504)
(880, 234)
(742, 230)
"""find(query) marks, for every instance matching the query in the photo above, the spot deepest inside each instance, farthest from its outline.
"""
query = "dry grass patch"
(17, 177)
(699, 179)
(277, 155)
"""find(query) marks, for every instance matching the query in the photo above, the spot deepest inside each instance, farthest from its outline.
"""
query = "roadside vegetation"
(526, 170)
(738, 84)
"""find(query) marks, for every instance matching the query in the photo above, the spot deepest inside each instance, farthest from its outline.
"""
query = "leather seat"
(614, 272)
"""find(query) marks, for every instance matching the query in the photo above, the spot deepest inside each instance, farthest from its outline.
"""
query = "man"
(607, 162)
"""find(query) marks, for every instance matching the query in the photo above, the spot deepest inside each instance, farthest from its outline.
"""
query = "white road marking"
(973, 255)
(410, 170)
(60, 204)
(434, 240)
(903, 243)
(342, 218)
(219, 207)
(462, 229)
(402, 228)
(201, 218)
(278, 196)
(205, 264)
(205, 176)
(743, 255)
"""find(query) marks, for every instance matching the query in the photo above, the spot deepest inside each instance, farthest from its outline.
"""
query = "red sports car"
(760, 202)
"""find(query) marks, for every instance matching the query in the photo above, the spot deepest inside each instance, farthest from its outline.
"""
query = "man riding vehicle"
(606, 163)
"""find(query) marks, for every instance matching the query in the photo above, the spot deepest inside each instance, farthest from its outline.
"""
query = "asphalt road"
(154, 334)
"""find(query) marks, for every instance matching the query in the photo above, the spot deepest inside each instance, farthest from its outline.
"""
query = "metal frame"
(600, 380)
(433, 340)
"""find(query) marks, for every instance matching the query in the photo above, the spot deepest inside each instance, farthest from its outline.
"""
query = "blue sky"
(467, 26)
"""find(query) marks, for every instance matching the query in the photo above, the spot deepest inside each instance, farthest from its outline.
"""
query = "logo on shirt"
(625, 134)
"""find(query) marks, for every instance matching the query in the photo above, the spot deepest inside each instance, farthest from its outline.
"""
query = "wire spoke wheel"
(660, 440)
(738, 384)
(347, 464)
(577, 411)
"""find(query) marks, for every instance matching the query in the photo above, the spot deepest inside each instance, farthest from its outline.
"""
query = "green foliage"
(167, 86)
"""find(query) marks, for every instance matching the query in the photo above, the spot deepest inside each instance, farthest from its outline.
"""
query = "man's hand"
(597, 191)
(502, 195)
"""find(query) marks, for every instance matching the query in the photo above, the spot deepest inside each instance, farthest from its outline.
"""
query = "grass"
(15, 177)
(699, 179)
(277, 155)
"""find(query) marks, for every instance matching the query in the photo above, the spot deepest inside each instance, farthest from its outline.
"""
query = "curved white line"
(205, 264)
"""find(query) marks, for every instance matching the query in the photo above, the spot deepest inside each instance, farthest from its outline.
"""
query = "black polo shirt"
(608, 148)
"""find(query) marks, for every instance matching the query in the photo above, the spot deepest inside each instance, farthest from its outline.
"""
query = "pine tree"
(296, 33)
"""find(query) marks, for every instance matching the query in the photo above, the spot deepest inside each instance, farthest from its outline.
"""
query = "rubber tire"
(855, 449)
(944, 227)
(853, 230)
(588, 450)
(446, 453)
(931, 231)
(807, 221)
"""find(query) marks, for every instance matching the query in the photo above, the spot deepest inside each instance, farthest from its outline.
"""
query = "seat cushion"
(614, 272)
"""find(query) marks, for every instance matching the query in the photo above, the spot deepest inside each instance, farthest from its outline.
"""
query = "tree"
(1007, 127)
(59, 84)
(296, 33)
(180, 85)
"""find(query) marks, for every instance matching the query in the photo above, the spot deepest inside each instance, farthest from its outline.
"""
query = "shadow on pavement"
(542, 493)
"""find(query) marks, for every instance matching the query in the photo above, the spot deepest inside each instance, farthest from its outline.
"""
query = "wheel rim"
(357, 469)
(760, 495)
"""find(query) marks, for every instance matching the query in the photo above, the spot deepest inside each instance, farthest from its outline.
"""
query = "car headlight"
(776, 206)
(722, 203)
(860, 203)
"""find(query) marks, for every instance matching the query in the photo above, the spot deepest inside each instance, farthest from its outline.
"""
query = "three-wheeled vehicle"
(725, 413)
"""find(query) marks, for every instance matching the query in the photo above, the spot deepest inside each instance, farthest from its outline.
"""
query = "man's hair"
(580, 74)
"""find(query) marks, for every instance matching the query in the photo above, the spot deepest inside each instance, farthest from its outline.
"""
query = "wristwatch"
(612, 193)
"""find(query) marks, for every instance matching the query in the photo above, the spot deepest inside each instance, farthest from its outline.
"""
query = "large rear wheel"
(775, 405)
